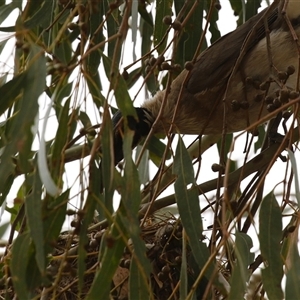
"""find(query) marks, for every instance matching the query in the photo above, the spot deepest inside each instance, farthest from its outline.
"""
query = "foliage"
(69, 70)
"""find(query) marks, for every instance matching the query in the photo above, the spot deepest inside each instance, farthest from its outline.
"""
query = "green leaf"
(18, 265)
(10, 90)
(63, 50)
(270, 234)
(188, 205)
(292, 288)
(191, 33)
(261, 137)
(110, 260)
(213, 26)
(6, 10)
(107, 161)
(63, 92)
(252, 7)
(163, 8)
(158, 148)
(120, 88)
(183, 270)
(296, 175)
(138, 289)
(33, 210)
(31, 83)
(130, 201)
(42, 160)
(3, 228)
(147, 16)
(89, 211)
(143, 167)
(7, 186)
(113, 23)
(41, 17)
(93, 60)
(133, 77)
(241, 273)
(62, 136)
(54, 216)
(236, 6)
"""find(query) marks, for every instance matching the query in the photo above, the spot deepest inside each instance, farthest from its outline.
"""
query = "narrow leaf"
(114, 247)
(163, 8)
(54, 217)
(41, 17)
(270, 234)
(89, 210)
(18, 264)
(130, 201)
(244, 257)
(6, 10)
(192, 32)
(10, 90)
(44, 171)
(31, 83)
(184, 270)
(33, 210)
(138, 289)
(60, 140)
(296, 175)
(120, 88)
(188, 205)
(107, 161)
(292, 288)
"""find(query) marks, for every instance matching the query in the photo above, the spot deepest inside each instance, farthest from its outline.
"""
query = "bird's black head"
(141, 127)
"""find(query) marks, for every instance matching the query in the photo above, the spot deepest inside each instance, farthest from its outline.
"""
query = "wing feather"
(214, 68)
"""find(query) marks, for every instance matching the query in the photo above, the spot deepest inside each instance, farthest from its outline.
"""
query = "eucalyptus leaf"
(270, 233)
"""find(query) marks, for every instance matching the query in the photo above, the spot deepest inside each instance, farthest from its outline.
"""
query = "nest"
(163, 240)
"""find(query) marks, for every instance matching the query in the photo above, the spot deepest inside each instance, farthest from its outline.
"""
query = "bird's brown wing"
(214, 65)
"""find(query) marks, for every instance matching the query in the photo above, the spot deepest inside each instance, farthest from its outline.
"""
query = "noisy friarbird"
(236, 71)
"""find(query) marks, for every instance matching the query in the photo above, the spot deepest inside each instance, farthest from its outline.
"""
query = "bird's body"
(203, 93)
(231, 70)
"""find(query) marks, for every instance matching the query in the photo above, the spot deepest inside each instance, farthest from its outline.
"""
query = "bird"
(230, 81)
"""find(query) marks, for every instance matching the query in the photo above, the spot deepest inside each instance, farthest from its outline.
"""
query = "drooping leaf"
(33, 210)
(183, 270)
(18, 265)
(163, 8)
(89, 211)
(213, 26)
(130, 201)
(61, 140)
(41, 17)
(54, 216)
(120, 88)
(10, 90)
(31, 84)
(292, 288)
(6, 10)
(113, 248)
(138, 289)
(107, 161)
(147, 17)
(188, 205)
(296, 175)
(191, 33)
(241, 273)
(270, 233)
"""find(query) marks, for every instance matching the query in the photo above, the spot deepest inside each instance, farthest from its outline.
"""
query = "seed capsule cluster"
(272, 101)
